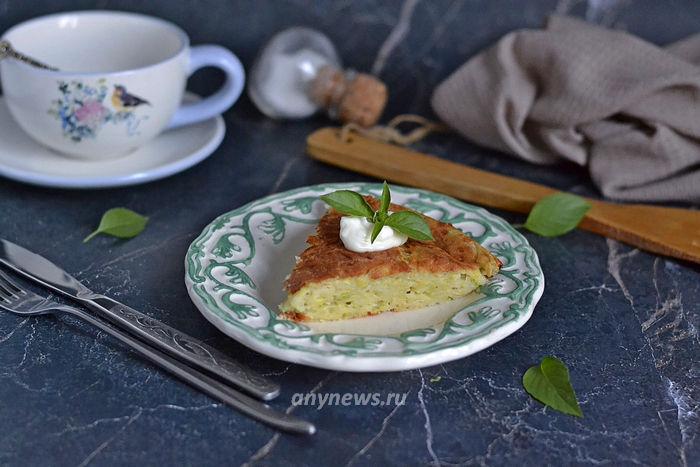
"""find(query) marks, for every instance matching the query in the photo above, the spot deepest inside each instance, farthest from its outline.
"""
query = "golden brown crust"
(294, 316)
(301, 317)
(327, 258)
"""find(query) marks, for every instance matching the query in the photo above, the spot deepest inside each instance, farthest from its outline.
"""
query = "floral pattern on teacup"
(83, 109)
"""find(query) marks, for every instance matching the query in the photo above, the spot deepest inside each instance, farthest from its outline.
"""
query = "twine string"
(391, 133)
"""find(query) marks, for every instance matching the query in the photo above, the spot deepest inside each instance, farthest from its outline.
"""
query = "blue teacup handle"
(216, 104)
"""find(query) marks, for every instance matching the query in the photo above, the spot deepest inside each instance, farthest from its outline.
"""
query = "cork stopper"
(348, 96)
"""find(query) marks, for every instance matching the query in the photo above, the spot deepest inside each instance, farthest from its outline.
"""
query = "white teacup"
(121, 82)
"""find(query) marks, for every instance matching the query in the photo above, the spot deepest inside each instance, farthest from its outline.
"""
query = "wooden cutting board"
(666, 231)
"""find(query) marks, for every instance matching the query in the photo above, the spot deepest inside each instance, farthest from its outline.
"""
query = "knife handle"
(182, 346)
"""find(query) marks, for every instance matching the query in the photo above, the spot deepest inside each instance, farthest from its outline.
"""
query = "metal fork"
(24, 302)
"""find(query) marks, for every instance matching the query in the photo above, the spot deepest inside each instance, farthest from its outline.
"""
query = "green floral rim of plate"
(219, 261)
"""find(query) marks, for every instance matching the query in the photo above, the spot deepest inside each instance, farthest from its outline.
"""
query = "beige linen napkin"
(625, 108)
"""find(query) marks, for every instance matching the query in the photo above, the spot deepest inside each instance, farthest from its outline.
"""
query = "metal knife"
(160, 335)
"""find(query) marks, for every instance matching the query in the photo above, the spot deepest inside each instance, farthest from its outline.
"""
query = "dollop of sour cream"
(356, 234)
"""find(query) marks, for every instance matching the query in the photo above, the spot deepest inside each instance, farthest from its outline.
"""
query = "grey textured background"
(626, 322)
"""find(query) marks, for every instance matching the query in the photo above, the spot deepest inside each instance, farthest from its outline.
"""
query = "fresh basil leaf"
(348, 202)
(549, 383)
(120, 223)
(378, 226)
(385, 202)
(557, 214)
(410, 224)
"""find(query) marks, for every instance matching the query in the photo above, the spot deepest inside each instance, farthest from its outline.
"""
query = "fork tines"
(8, 289)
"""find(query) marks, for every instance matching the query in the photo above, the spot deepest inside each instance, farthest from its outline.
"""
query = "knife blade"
(174, 342)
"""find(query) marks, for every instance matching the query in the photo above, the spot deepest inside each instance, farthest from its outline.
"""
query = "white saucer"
(25, 160)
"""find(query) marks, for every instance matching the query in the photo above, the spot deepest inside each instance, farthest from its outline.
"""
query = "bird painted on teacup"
(123, 101)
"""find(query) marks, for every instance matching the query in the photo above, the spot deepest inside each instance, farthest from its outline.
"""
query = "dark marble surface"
(626, 322)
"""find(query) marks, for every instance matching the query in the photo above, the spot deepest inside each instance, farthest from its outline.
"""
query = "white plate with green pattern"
(235, 271)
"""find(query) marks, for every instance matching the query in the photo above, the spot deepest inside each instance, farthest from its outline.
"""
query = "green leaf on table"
(549, 383)
(557, 214)
(411, 224)
(120, 223)
(349, 203)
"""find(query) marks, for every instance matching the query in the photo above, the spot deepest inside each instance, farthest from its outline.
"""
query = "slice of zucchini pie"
(330, 282)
